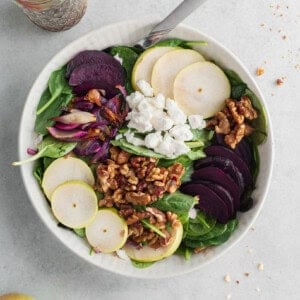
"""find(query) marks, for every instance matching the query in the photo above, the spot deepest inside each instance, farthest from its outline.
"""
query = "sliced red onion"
(88, 147)
(76, 116)
(102, 153)
(75, 135)
(122, 89)
(84, 105)
(31, 151)
(63, 126)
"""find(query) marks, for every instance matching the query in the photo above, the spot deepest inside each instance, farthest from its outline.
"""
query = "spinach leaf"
(177, 202)
(47, 161)
(260, 123)
(196, 153)
(38, 171)
(49, 147)
(201, 225)
(129, 57)
(184, 251)
(174, 42)
(202, 135)
(141, 265)
(189, 169)
(57, 85)
(137, 150)
(255, 164)
(239, 89)
(44, 119)
(80, 232)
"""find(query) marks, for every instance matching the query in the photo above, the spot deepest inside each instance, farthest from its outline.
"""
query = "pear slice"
(148, 254)
(142, 69)
(108, 232)
(167, 67)
(16, 296)
(201, 88)
(74, 204)
(65, 169)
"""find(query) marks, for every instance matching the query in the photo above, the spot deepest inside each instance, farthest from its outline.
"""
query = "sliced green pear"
(148, 254)
(108, 232)
(16, 296)
(167, 67)
(142, 69)
(201, 88)
(74, 204)
(65, 169)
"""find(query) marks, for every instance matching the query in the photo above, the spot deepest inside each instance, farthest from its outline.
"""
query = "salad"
(148, 153)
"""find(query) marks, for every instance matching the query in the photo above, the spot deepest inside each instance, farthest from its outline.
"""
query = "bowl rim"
(259, 205)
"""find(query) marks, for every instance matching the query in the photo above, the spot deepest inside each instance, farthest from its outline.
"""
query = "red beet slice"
(209, 201)
(222, 151)
(91, 57)
(224, 195)
(98, 76)
(217, 176)
(225, 165)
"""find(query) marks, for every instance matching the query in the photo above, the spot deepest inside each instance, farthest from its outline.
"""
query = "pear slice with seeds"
(65, 169)
(148, 254)
(74, 204)
(108, 232)
(201, 88)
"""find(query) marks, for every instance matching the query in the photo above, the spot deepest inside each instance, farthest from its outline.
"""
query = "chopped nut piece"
(247, 274)
(260, 266)
(227, 278)
(260, 71)
(223, 125)
(231, 104)
(245, 108)
(235, 135)
(279, 81)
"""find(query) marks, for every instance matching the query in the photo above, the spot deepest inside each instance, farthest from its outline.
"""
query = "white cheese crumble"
(162, 120)
(118, 58)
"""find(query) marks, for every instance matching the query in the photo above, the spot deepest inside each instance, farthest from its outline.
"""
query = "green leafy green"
(38, 170)
(137, 150)
(49, 147)
(80, 232)
(129, 57)
(141, 265)
(240, 89)
(202, 135)
(255, 164)
(148, 225)
(47, 161)
(57, 95)
(184, 251)
(57, 85)
(196, 153)
(201, 225)
(174, 42)
(189, 169)
(177, 202)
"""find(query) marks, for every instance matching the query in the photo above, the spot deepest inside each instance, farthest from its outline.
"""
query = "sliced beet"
(209, 201)
(91, 57)
(217, 176)
(243, 148)
(224, 195)
(217, 150)
(226, 165)
(98, 76)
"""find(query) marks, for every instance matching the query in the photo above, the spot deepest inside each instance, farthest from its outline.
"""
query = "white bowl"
(122, 34)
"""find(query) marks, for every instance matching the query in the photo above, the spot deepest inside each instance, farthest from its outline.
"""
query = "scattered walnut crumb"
(279, 81)
(260, 71)
(227, 278)
(247, 274)
(262, 24)
(284, 37)
(237, 282)
(260, 266)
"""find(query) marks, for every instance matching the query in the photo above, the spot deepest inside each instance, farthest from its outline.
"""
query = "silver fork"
(184, 9)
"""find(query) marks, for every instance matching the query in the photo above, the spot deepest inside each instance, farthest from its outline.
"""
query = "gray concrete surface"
(262, 34)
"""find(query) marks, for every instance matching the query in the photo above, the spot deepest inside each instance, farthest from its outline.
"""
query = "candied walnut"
(231, 104)
(112, 183)
(94, 96)
(176, 169)
(117, 195)
(248, 129)
(114, 152)
(171, 186)
(133, 180)
(246, 109)
(235, 135)
(223, 124)
(138, 198)
(155, 174)
(159, 215)
(173, 219)
(123, 157)
(124, 169)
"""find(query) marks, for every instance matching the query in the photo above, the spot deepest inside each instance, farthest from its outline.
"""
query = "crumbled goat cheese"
(163, 116)
(152, 140)
(145, 88)
(192, 213)
(181, 132)
(196, 121)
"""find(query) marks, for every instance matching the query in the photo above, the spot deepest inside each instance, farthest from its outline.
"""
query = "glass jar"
(54, 15)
